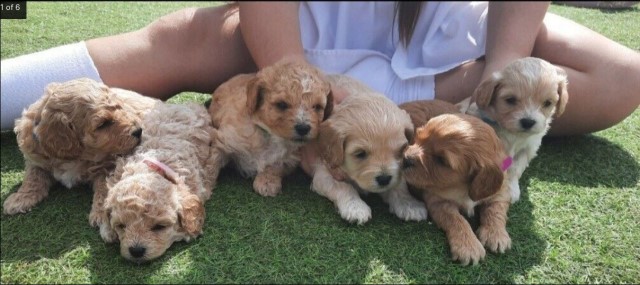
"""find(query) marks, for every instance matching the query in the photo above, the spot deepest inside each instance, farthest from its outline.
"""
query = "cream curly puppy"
(73, 134)
(265, 118)
(157, 194)
(361, 149)
(520, 102)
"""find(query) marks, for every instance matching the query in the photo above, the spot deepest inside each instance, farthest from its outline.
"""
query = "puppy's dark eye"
(547, 103)
(120, 226)
(408, 162)
(440, 160)
(318, 108)
(360, 154)
(158, 228)
(105, 124)
(282, 105)
(511, 100)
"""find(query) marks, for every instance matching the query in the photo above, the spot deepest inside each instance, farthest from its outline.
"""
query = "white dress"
(360, 39)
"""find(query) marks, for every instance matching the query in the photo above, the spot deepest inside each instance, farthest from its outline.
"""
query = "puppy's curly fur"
(73, 135)
(265, 118)
(361, 148)
(456, 164)
(520, 102)
(157, 194)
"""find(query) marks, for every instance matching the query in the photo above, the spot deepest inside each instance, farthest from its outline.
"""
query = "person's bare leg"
(193, 49)
(603, 76)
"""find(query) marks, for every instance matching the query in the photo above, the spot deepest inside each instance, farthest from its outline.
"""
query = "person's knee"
(171, 30)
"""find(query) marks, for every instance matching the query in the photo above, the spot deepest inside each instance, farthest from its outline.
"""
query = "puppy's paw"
(409, 210)
(98, 218)
(467, 249)
(107, 233)
(18, 203)
(267, 185)
(101, 220)
(355, 210)
(495, 239)
(514, 190)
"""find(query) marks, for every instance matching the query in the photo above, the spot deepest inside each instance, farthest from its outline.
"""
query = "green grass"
(577, 221)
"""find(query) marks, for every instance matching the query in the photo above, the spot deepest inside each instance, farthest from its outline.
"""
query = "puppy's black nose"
(383, 180)
(302, 129)
(137, 133)
(527, 123)
(137, 251)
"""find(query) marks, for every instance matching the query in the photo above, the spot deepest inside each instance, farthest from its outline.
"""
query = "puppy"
(421, 111)
(456, 163)
(156, 195)
(520, 102)
(73, 135)
(264, 119)
(360, 150)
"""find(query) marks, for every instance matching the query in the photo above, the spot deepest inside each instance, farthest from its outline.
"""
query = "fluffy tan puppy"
(264, 119)
(73, 135)
(456, 163)
(157, 194)
(520, 102)
(360, 149)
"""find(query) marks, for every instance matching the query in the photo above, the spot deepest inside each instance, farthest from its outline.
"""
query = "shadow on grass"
(296, 237)
(55, 226)
(12, 160)
(587, 161)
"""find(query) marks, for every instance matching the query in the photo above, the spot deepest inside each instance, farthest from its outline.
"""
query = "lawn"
(577, 221)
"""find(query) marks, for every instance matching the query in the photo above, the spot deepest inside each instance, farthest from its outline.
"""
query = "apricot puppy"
(457, 163)
(263, 119)
(73, 135)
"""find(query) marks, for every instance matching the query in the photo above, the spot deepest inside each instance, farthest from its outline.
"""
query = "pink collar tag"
(161, 168)
(506, 163)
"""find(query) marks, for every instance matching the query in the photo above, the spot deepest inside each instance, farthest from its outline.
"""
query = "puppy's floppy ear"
(331, 145)
(58, 137)
(409, 134)
(562, 91)
(409, 131)
(486, 91)
(255, 94)
(191, 211)
(486, 181)
(328, 108)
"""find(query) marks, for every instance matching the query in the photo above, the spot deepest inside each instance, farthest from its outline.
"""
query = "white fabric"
(360, 39)
(25, 77)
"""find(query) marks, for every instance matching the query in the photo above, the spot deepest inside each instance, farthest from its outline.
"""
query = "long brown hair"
(407, 13)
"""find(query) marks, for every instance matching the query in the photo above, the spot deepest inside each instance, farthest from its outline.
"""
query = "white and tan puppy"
(520, 102)
(361, 151)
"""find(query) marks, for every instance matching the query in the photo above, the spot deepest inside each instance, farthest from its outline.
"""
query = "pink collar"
(506, 163)
(161, 168)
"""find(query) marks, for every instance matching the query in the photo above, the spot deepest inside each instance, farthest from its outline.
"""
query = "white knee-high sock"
(25, 77)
